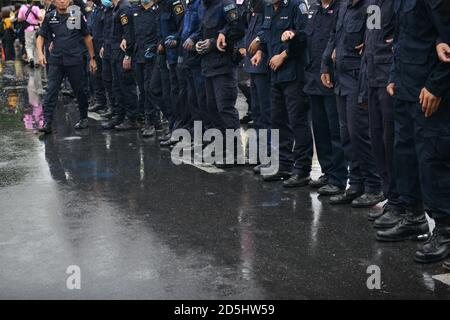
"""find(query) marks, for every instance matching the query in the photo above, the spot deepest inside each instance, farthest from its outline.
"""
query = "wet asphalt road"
(140, 227)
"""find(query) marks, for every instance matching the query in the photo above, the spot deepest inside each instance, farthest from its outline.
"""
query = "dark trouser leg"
(408, 183)
(151, 110)
(192, 101)
(328, 141)
(298, 113)
(183, 96)
(355, 177)
(107, 82)
(261, 82)
(139, 72)
(280, 122)
(381, 116)
(116, 67)
(128, 92)
(211, 104)
(166, 106)
(55, 78)
(200, 92)
(99, 88)
(74, 75)
(358, 124)
(175, 95)
(433, 151)
(225, 90)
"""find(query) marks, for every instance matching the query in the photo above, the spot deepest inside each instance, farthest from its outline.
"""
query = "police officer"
(377, 60)
(65, 29)
(221, 29)
(171, 17)
(325, 118)
(346, 41)
(145, 23)
(260, 74)
(191, 69)
(283, 40)
(95, 23)
(123, 81)
(422, 130)
(104, 39)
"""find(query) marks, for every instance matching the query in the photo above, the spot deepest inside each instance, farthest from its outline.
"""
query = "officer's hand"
(93, 66)
(126, 64)
(221, 43)
(256, 59)
(160, 49)
(123, 45)
(243, 52)
(277, 61)
(391, 89)
(42, 60)
(333, 56)
(360, 48)
(102, 50)
(171, 43)
(287, 35)
(443, 51)
(254, 46)
(430, 103)
(188, 44)
(203, 47)
(326, 80)
(50, 47)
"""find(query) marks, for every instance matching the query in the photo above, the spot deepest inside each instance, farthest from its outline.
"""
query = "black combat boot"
(297, 180)
(446, 264)
(47, 128)
(437, 248)
(111, 123)
(347, 197)
(96, 108)
(82, 124)
(330, 190)
(390, 217)
(368, 200)
(126, 125)
(279, 176)
(413, 226)
(372, 216)
(320, 182)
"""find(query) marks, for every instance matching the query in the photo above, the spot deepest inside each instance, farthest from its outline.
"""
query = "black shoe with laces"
(279, 176)
(390, 217)
(330, 190)
(345, 198)
(126, 125)
(411, 227)
(368, 200)
(320, 182)
(297, 180)
(82, 124)
(437, 248)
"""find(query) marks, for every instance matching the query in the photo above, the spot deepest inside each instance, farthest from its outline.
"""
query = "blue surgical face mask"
(107, 3)
(145, 1)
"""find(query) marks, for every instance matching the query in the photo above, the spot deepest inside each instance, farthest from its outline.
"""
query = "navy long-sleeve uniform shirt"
(121, 29)
(145, 23)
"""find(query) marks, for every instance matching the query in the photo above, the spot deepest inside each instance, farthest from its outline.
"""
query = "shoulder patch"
(177, 8)
(124, 20)
(303, 8)
(229, 7)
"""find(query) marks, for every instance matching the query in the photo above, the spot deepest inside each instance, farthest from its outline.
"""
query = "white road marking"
(444, 278)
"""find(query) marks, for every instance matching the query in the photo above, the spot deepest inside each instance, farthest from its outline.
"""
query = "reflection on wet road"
(140, 227)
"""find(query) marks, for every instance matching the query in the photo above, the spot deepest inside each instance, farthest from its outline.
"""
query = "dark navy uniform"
(220, 68)
(145, 23)
(347, 34)
(196, 93)
(95, 22)
(105, 43)
(289, 106)
(377, 60)
(170, 21)
(259, 75)
(325, 117)
(66, 59)
(124, 85)
(421, 144)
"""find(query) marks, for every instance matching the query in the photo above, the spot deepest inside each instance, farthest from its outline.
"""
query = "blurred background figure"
(29, 17)
(7, 33)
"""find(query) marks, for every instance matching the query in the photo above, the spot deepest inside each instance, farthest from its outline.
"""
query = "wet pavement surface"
(140, 227)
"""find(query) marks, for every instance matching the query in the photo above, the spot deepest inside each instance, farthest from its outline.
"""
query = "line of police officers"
(374, 73)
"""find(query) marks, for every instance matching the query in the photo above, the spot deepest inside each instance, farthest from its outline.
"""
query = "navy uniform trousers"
(422, 145)
(56, 75)
(124, 87)
(290, 115)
